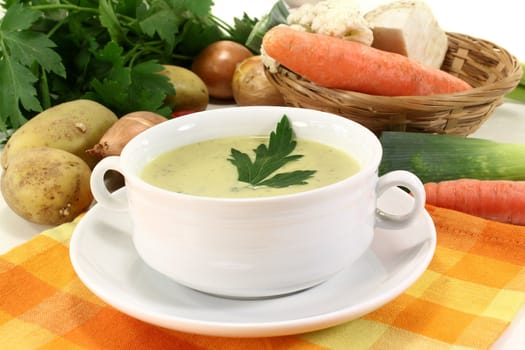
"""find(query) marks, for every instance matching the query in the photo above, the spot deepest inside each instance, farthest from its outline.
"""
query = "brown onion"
(252, 87)
(215, 65)
(123, 130)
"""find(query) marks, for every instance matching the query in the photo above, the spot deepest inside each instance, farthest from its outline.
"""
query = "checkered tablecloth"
(472, 290)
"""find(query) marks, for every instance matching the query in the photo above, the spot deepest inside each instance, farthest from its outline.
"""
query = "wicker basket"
(489, 69)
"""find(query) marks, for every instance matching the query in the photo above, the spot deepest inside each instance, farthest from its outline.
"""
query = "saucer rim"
(254, 329)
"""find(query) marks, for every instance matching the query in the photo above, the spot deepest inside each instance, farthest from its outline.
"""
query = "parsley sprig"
(269, 159)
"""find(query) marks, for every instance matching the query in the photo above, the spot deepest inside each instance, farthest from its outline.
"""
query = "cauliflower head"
(339, 18)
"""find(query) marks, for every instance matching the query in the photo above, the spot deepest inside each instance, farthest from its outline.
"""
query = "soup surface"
(203, 168)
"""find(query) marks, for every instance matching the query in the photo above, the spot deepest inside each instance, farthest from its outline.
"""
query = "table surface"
(498, 24)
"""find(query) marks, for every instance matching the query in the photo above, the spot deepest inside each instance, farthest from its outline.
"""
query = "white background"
(498, 21)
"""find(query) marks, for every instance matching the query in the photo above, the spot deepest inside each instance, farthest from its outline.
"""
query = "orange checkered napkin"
(470, 293)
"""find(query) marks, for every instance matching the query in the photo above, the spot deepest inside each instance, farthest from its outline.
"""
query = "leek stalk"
(277, 15)
(434, 157)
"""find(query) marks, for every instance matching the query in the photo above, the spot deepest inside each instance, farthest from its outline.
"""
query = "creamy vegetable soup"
(203, 168)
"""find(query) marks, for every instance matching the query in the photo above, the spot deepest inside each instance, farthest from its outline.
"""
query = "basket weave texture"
(488, 68)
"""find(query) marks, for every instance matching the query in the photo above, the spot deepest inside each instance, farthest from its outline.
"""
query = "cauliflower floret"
(339, 18)
(269, 61)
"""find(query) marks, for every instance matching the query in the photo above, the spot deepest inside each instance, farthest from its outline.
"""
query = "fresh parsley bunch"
(52, 51)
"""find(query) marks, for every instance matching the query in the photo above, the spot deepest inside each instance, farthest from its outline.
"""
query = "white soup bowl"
(255, 247)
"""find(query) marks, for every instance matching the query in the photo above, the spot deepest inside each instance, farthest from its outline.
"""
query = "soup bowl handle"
(99, 189)
(409, 181)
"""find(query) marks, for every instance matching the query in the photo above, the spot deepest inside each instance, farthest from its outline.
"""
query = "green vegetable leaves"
(22, 52)
(271, 158)
(52, 51)
(129, 88)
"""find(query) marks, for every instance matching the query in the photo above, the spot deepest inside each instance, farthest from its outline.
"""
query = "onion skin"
(123, 130)
(215, 65)
(251, 87)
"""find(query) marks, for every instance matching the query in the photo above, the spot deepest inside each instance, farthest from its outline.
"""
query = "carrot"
(349, 65)
(498, 200)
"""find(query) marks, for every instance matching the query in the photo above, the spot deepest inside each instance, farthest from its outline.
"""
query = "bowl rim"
(325, 191)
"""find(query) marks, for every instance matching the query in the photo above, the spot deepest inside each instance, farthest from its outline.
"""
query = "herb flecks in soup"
(202, 169)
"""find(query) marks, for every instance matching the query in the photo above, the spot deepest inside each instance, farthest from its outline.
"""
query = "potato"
(191, 94)
(71, 126)
(251, 87)
(46, 185)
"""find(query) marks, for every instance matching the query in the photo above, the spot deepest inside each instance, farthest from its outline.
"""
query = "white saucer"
(105, 260)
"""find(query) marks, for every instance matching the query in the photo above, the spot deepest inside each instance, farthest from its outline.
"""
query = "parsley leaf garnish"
(269, 159)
